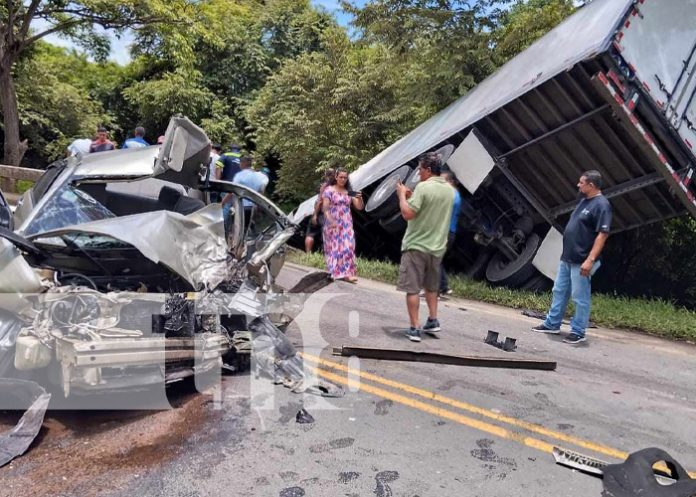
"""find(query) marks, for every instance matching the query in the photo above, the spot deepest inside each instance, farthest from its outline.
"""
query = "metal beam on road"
(431, 357)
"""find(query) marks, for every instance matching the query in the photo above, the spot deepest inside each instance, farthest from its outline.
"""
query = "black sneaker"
(431, 326)
(574, 339)
(446, 293)
(413, 334)
(542, 328)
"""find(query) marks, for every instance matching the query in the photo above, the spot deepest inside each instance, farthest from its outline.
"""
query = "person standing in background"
(339, 237)
(583, 241)
(427, 210)
(102, 143)
(452, 180)
(138, 141)
(228, 165)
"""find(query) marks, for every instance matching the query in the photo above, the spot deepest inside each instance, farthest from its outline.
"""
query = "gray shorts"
(419, 270)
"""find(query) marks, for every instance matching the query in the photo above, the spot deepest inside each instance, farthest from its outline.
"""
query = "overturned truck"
(611, 88)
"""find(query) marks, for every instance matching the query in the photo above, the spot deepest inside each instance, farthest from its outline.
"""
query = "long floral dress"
(339, 238)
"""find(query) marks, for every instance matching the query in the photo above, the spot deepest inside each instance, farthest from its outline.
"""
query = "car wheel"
(383, 200)
(501, 271)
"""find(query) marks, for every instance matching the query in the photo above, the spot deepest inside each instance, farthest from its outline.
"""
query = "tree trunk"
(14, 148)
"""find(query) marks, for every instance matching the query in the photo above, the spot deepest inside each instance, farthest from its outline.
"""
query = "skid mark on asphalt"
(432, 396)
(340, 443)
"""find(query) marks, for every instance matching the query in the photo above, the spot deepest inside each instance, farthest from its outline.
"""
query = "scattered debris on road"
(509, 345)
(431, 357)
(650, 472)
(303, 417)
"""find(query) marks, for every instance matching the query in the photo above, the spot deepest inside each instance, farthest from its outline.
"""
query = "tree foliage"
(334, 107)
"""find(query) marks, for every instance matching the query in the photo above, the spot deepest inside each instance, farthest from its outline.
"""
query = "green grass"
(656, 317)
(22, 185)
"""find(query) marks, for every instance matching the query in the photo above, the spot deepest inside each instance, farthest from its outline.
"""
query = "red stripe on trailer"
(646, 86)
(632, 102)
(602, 78)
(619, 37)
(687, 180)
(627, 24)
(632, 67)
(688, 143)
(660, 104)
(676, 177)
(615, 78)
(662, 158)
(634, 13)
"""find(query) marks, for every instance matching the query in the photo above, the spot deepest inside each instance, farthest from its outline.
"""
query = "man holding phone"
(583, 240)
(427, 210)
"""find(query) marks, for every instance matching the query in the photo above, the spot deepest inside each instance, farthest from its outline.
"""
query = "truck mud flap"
(21, 394)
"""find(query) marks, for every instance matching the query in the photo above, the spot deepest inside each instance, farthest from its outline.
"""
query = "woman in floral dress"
(339, 238)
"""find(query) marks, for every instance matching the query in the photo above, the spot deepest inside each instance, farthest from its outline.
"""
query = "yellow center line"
(602, 449)
(438, 411)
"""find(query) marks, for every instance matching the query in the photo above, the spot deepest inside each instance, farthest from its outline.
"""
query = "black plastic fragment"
(636, 478)
(303, 417)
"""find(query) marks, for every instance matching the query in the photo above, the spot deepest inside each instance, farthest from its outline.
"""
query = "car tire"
(500, 271)
(383, 201)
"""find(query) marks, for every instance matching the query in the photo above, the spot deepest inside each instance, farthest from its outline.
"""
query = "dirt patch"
(85, 453)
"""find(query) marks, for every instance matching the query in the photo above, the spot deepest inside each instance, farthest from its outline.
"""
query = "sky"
(120, 52)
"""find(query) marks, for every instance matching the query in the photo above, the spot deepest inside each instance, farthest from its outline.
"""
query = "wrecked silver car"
(121, 274)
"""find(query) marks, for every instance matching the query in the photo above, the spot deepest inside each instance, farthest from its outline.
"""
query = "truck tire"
(537, 284)
(394, 224)
(383, 201)
(500, 271)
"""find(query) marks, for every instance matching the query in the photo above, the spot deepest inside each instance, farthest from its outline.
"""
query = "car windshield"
(69, 206)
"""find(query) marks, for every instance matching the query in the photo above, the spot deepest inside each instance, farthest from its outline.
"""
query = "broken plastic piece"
(636, 476)
(303, 417)
(15, 442)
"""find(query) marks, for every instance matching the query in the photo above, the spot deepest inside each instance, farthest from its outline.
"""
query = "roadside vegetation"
(291, 84)
(653, 316)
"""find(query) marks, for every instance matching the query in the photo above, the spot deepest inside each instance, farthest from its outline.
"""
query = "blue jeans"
(569, 283)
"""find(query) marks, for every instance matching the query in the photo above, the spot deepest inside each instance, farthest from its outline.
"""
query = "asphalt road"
(401, 429)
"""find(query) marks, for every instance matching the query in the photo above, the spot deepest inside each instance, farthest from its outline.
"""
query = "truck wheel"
(500, 271)
(383, 200)
(477, 269)
(394, 224)
(537, 284)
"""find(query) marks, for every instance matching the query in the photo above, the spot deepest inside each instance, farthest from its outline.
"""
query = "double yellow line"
(324, 369)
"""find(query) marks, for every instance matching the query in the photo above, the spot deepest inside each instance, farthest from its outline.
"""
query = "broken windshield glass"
(67, 207)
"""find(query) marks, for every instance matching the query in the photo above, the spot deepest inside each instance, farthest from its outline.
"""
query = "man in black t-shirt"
(583, 241)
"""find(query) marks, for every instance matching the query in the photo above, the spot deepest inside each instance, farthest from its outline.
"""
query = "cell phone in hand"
(352, 193)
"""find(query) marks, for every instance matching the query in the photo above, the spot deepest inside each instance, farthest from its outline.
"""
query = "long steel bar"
(557, 130)
(431, 357)
(614, 191)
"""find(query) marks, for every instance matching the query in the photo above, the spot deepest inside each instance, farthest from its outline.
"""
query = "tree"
(77, 20)
(54, 100)
(527, 21)
(335, 107)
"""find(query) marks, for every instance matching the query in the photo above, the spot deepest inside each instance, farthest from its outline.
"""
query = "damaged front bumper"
(120, 364)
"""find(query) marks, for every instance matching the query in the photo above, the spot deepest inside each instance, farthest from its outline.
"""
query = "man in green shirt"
(428, 210)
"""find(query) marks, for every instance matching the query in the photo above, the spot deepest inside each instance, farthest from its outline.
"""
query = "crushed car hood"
(192, 246)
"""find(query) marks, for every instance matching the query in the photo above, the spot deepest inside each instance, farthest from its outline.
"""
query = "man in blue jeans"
(583, 240)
